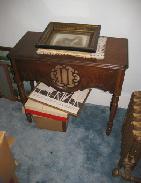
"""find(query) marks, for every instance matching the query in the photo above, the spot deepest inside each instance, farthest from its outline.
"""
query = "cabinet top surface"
(116, 51)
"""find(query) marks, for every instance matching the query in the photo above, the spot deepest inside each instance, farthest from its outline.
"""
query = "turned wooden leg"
(20, 86)
(23, 99)
(113, 109)
(19, 83)
(22, 92)
(32, 85)
(29, 118)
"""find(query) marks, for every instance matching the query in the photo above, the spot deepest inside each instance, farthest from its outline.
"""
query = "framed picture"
(70, 36)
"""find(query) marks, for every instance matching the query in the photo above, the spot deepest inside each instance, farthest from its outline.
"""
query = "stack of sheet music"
(51, 108)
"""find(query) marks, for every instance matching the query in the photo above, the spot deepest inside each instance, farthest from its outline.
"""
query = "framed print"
(70, 36)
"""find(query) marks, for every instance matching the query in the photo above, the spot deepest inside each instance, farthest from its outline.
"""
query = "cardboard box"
(42, 110)
(7, 162)
(50, 124)
(46, 117)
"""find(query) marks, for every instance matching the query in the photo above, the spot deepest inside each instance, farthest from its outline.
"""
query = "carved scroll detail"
(65, 76)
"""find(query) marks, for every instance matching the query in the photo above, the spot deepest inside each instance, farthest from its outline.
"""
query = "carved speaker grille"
(65, 76)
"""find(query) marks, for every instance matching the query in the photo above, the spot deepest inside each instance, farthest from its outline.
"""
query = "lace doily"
(99, 54)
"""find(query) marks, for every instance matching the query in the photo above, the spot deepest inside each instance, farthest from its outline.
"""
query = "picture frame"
(70, 36)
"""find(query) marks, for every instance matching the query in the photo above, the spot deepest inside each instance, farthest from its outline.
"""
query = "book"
(67, 102)
(42, 110)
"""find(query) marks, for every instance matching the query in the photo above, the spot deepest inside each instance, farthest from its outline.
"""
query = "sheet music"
(69, 102)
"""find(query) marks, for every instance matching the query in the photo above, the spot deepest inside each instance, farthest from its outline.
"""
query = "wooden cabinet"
(69, 73)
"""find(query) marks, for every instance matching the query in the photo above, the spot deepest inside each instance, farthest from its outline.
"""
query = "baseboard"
(104, 98)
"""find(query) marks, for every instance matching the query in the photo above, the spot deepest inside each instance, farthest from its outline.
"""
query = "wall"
(119, 18)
